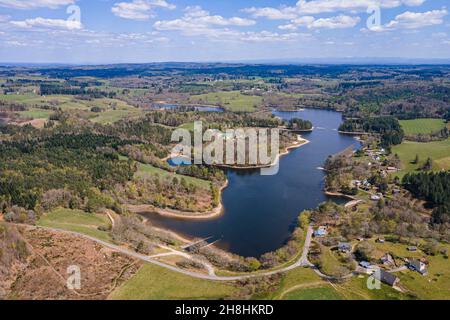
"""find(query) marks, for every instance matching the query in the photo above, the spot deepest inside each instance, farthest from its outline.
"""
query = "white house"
(419, 266)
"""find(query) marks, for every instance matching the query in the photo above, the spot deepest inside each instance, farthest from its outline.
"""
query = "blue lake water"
(261, 211)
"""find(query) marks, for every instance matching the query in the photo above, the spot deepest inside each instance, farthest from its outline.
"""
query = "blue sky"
(108, 31)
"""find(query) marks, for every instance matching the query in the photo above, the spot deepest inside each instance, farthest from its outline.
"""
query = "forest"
(82, 164)
(300, 124)
(434, 188)
(49, 89)
(388, 127)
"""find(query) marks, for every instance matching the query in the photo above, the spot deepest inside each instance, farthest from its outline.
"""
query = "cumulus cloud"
(197, 20)
(283, 13)
(304, 7)
(140, 9)
(267, 36)
(321, 6)
(48, 23)
(414, 20)
(82, 38)
(339, 22)
(33, 4)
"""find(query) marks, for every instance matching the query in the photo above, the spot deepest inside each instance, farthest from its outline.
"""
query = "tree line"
(434, 188)
(389, 128)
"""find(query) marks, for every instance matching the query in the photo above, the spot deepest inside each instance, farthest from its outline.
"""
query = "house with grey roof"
(386, 278)
(419, 266)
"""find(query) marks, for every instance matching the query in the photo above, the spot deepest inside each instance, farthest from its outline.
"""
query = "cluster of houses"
(364, 184)
(322, 231)
(375, 154)
(387, 261)
(386, 277)
(388, 171)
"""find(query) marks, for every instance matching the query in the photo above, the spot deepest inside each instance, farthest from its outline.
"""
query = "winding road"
(301, 262)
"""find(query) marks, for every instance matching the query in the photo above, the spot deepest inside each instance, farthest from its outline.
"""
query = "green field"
(291, 280)
(356, 289)
(422, 126)
(331, 264)
(230, 100)
(435, 285)
(146, 169)
(320, 293)
(111, 116)
(188, 126)
(157, 283)
(60, 101)
(77, 221)
(438, 151)
(114, 109)
(36, 113)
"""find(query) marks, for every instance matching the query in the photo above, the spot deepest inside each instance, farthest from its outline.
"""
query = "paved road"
(399, 269)
(301, 262)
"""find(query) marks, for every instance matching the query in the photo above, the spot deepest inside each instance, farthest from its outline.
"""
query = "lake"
(260, 212)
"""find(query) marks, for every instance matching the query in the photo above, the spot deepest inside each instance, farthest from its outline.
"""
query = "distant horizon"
(375, 61)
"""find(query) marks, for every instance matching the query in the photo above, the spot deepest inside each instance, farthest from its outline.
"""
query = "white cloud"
(267, 36)
(139, 9)
(81, 38)
(48, 23)
(197, 21)
(321, 6)
(285, 13)
(339, 22)
(303, 7)
(414, 20)
(33, 4)
(15, 44)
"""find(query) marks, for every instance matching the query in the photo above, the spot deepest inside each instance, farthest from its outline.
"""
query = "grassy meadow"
(152, 282)
(422, 126)
(113, 109)
(438, 151)
(319, 293)
(146, 169)
(435, 285)
(230, 100)
(77, 221)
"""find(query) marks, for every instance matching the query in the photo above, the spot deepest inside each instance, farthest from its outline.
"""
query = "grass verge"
(152, 282)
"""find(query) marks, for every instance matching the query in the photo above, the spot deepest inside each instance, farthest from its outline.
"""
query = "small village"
(371, 180)
(383, 268)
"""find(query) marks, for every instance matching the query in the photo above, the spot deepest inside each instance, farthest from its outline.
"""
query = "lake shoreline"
(179, 214)
(247, 228)
(299, 143)
(339, 194)
(217, 211)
